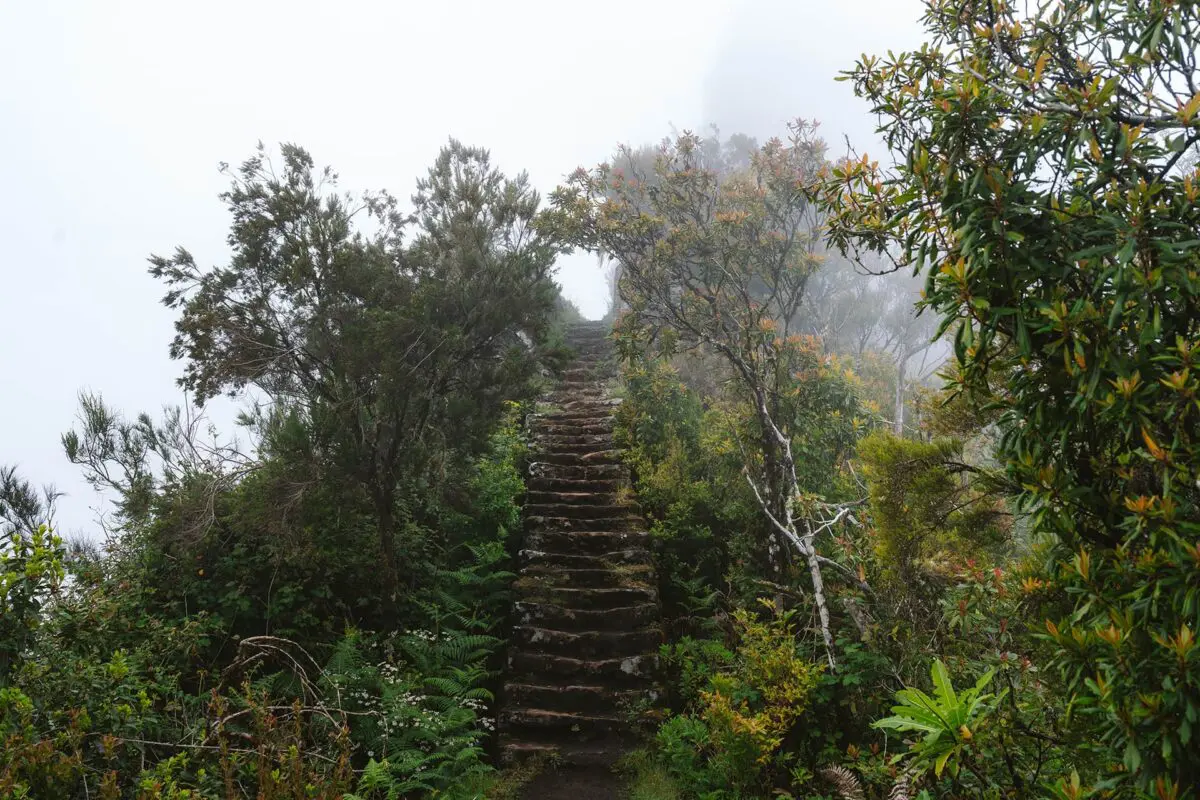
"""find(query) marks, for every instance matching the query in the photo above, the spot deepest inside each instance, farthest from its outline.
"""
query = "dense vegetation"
(878, 583)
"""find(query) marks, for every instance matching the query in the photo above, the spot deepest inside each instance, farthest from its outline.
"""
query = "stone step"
(574, 427)
(571, 427)
(586, 598)
(585, 472)
(560, 416)
(629, 672)
(591, 405)
(610, 560)
(586, 543)
(538, 523)
(551, 498)
(581, 459)
(581, 511)
(597, 361)
(596, 397)
(588, 644)
(579, 727)
(545, 615)
(594, 755)
(591, 372)
(606, 577)
(587, 698)
(560, 448)
(572, 442)
(598, 486)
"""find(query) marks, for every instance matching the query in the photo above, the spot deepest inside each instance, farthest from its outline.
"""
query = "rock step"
(601, 486)
(611, 560)
(574, 499)
(545, 427)
(594, 406)
(545, 615)
(573, 442)
(572, 398)
(573, 416)
(592, 372)
(626, 523)
(594, 365)
(596, 755)
(586, 598)
(588, 644)
(586, 543)
(629, 672)
(581, 388)
(606, 577)
(585, 409)
(586, 472)
(581, 512)
(581, 459)
(580, 727)
(587, 698)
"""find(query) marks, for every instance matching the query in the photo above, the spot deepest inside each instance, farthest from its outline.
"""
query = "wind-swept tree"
(393, 355)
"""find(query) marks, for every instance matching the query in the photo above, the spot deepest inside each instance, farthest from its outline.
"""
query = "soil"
(574, 783)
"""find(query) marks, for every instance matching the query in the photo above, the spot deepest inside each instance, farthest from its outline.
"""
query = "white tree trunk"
(901, 366)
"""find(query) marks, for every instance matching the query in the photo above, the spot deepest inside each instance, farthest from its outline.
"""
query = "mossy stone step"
(592, 497)
(580, 513)
(616, 559)
(585, 459)
(547, 615)
(587, 597)
(542, 469)
(587, 698)
(588, 644)
(586, 543)
(629, 672)
(574, 485)
(604, 577)
(580, 726)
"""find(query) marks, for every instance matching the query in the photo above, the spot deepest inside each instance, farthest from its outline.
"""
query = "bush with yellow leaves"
(731, 744)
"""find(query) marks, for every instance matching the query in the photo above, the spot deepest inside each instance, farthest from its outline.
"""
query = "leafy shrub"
(729, 744)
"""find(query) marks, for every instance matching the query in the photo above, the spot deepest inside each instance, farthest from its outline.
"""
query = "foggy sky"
(114, 116)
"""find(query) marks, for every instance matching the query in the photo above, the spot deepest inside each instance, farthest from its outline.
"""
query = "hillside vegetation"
(914, 453)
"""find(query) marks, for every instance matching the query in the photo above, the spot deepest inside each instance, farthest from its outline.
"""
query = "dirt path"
(575, 783)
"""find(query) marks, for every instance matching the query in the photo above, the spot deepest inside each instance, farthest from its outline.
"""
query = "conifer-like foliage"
(391, 352)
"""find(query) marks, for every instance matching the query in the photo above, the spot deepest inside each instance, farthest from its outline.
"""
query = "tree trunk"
(901, 366)
(385, 513)
(818, 582)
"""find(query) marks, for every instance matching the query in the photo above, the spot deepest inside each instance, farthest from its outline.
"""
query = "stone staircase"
(587, 616)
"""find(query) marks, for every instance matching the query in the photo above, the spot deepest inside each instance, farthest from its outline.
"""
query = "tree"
(718, 260)
(31, 563)
(857, 312)
(1039, 188)
(23, 508)
(393, 355)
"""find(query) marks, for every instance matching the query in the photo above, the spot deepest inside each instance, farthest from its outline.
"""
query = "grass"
(647, 779)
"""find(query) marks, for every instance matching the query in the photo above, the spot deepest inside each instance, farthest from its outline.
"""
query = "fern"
(901, 790)
(843, 781)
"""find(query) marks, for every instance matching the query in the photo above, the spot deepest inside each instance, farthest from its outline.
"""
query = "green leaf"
(944, 689)
(941, 762)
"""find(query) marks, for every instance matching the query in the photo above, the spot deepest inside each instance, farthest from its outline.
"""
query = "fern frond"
(843, 781)
(901, 789)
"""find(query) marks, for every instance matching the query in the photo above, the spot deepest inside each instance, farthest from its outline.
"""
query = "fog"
(114, 117)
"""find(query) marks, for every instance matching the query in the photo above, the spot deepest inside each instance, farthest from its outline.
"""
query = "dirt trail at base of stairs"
(575, 783)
